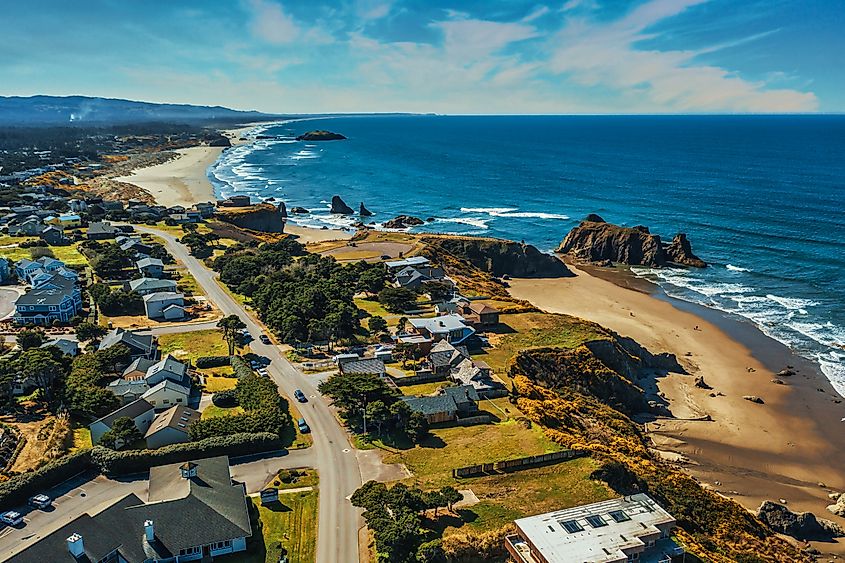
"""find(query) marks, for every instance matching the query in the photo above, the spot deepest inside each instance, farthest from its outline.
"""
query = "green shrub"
(225, 399)
(212, 362)
(113, 462)
(20, 487)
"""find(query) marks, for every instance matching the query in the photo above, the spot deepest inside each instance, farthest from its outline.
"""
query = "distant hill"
(83, 110)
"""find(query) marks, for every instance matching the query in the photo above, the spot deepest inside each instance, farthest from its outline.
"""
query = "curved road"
(339, 521)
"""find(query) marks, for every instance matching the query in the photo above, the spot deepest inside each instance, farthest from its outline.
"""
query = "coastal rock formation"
(679, 251)
(403, 222)
(339, 206)
(320, 135)
(364, 212)
(597, 241)
(838, 507)
(497, 257)
(283, 210)
(220, 141)
(800, 525)
(299, 210)
(754, 399)
(263, 217)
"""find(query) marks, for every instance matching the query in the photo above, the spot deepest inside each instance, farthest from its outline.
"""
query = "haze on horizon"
(475, 57)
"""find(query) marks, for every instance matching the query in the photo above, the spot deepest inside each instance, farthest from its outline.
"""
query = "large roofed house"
(413, 261)
(478, 375)
(171, 427)
(157, 304)
(56, 299)
(146, 286)
(138, 369)
(366, 366)
(150, 267)
(194, 511)
(169, 368)
(444, 357)
(128, 390)
(102, 230)
(633, 528)
(140, 412)
(140, 345)
(450, 328)
(167, 393)
(448, 405)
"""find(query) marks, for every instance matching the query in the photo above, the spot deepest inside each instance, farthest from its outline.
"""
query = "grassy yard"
(289, 525)
(422, 388)
(69, 254)
(193, 345)
(186, 283)
(432, 462)
(213, 383)
(212, 411)
(81, 439)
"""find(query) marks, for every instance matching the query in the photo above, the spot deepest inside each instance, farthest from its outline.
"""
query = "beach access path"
(334, 457)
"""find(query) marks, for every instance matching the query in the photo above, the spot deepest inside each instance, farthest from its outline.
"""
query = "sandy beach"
(792, 447)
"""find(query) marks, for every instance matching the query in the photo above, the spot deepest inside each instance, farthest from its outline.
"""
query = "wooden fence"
(516, 464)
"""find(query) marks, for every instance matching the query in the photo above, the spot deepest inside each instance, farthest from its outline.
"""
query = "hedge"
(240, 367)
(113, 462)
(225, 399)
(20, 487)
(212, 362)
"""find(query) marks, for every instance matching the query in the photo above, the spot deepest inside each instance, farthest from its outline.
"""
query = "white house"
(166, 394)
(150, 267)
(156, 303)
(141, 412)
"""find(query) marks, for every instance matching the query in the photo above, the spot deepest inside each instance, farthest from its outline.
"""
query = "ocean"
(760, 197)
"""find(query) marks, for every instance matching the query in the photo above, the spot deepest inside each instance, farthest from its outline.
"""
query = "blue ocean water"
(761, 197)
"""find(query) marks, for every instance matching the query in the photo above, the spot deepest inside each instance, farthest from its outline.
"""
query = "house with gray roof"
(166, 394)
(450, 328)
(102, 230)
(150, 267)
(193, 511)
(140, 412)
(145, 286)
(171, 427)
(367, 366)
(448, 405)
(168, 368)
(140, 345)
(128, 390)
(55, 299)
(67, 346)
(159, 305)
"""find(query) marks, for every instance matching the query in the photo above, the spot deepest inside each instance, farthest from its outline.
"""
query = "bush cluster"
(20, 487)
(113, 462)
(205, 362)
(225, 399)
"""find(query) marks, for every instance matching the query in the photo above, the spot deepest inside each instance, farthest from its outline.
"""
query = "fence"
(472, 420)
(516, 464)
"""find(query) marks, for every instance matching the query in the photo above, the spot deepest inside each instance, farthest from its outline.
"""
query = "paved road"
(339, 521)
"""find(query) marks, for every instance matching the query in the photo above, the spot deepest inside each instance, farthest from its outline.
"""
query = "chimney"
(149, 531)
(75, 546)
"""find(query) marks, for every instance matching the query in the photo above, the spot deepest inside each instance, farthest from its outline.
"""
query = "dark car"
(264, 338)
(303, 426)
(300, 396)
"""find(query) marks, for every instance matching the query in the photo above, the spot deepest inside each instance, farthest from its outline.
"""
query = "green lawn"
(81, 439)
(422, 388)
(70, 254)
(192, 345)
(213, 384)
(297, 478)
(291, 524)
(212, 411)
(186, 283)
(432, 462)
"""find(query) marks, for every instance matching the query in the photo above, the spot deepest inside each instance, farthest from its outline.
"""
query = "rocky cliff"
(499, 257)
(595, 240)
(263, 217)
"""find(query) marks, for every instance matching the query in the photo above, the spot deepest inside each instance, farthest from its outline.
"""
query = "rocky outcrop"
(800, 525)
(263, 217)
(363, 211)
(220, 141)
(754, 399)
(838, 507)
(597, 241)
(679, 251)
(283, 210)
(403, 222)
(299, 210)
(339, 206)
(498, 257)
(320, 135)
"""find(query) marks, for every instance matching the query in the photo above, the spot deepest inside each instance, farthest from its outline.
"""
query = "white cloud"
(373, 9)
(271, 24)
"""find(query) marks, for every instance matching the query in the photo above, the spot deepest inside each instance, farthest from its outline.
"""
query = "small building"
(146, 286)
(205, 209)
(30, 227)
(140, 345)
(54, 236)
(140, 412)
(450, 328)
(235, 201)
(174, 312)
(69, 220)
(166, 394)
(155, 304)
(341, 359)
(365, 366)
(67, 346)
(150, 267)
(478, 314)
(135, 247)
(77, 205)
(128, 390)
(102, 230)
(138, 369)
(422, 343)
(168, 368)
(444, 357)
(621, 530)
(171, 427)
(478, 375)
(447, 406)
(413, 261)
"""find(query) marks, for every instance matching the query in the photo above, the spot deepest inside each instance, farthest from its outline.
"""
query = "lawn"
(213, 383)
(81, 439)
(212, 411)
(533, 330)
(193, 345)
(422, 388)
(291, 524)
(186, 282)
(432, 462)
(69, 254)
(297, 478)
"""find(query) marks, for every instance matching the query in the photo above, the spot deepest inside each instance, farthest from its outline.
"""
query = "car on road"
(11, 518)
(262, 372)
(303, 426)
(40, 501)
(300, 396)
(264, 338)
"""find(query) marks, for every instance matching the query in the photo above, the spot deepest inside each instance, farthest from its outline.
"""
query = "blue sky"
(476, 56)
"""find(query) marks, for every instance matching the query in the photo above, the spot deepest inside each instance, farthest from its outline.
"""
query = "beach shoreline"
(786, 448)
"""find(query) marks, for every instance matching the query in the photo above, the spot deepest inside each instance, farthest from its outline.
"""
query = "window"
(572, 526)
(619, 516)
(633, 557)
(596, 521)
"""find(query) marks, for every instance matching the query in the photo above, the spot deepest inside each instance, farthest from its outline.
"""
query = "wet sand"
(785, 448)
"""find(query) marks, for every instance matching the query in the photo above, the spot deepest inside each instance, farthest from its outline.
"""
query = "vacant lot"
(291, 524)
(69, 254)
(193, 345)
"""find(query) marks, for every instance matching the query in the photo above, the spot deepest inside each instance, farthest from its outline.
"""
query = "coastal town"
(307, 394)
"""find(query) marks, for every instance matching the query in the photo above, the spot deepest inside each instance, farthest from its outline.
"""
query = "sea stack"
(403, 222)
(363, 211)
(320, 135)
(283, 210)
(339, 206)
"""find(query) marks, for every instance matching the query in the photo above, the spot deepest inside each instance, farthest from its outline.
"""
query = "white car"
(40, 501)
(262, 371)
(11, 518)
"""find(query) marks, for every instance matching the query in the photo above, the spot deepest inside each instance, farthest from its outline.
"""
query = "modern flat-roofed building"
(621, 530)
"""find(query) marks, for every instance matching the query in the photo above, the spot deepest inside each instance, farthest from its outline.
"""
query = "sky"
(469, 57)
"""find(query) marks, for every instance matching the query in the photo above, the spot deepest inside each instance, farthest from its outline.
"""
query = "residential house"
(54, 236)
(140, 412)
(57, 299)
(169, 368)
(166, 393)
(205, 209)
(30, 227)
(138, 368)
(67, 346)
(140, 345)
(68, 220)
(450, 328)
(480, 315)
(413, 278)
(235, 201)
(102, 230)
(159, 305)
(620, 530)
(194, 216)
(77, 205)
(414, 261)
(478, 375)
(5, 272)
(171, 427)
(127, 390)
(134, 246)
(421, 343)
(447, 406)
(193, 511)
(365, 366)
(146, 286)
(445, 357)
(150, 267)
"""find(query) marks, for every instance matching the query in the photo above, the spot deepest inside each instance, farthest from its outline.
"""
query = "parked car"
(11, 518)
(300, 396)
(40, 501)
(303, 426)
(262, 372)
(264, 338)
